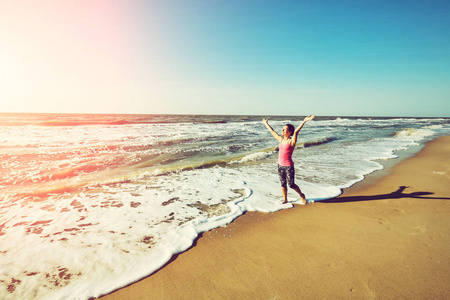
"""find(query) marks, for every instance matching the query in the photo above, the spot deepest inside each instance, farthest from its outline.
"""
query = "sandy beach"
(387, 240)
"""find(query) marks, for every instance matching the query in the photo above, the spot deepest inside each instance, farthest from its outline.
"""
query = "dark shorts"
(287, 176)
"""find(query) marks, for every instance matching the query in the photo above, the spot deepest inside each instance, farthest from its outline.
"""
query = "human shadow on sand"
(398, 194)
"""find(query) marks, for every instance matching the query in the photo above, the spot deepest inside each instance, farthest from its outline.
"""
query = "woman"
(286, 147)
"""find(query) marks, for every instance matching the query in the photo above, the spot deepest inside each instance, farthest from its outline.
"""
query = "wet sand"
(389, 239)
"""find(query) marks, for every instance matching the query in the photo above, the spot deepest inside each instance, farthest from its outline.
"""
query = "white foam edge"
(183, 237)
(177, 241)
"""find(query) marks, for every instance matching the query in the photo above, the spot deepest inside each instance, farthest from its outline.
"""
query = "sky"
(293, 57)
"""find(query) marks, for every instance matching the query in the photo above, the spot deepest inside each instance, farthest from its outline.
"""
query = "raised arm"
(273, 132)
(297, 130)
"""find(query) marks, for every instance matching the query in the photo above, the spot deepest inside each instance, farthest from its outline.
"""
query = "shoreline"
(376, 240)
(388, 165)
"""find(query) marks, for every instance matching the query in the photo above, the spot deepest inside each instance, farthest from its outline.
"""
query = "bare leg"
(284, 191)
(302, 196)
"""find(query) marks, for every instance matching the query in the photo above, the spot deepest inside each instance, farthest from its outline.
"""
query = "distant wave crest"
(414, 132)
(319, 142)
(253, 157)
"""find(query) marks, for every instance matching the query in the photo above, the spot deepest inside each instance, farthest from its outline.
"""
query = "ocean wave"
(414, 133)
(214, 122)
(319, 142)
(84, 123)
(126, 198)
(165, 143)
(253, 157)
(433, 127)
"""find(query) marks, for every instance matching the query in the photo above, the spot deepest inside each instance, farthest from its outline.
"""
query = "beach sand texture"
(389, 240)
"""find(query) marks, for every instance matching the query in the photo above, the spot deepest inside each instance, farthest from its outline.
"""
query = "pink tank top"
(285, 154)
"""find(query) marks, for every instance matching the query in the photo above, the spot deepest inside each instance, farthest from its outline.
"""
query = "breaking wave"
(319, 142)
(414, 133)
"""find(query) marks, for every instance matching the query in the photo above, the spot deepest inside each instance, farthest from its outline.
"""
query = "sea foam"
(89, 209)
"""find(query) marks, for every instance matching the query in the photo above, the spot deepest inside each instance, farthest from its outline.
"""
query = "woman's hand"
(309, 118)
(265, 121)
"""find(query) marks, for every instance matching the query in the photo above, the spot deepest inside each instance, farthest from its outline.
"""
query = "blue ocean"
(91, 203)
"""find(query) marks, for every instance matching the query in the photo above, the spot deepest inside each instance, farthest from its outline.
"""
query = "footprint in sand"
(384, 222)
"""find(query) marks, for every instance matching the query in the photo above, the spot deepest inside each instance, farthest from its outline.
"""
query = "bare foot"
(303, 198)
